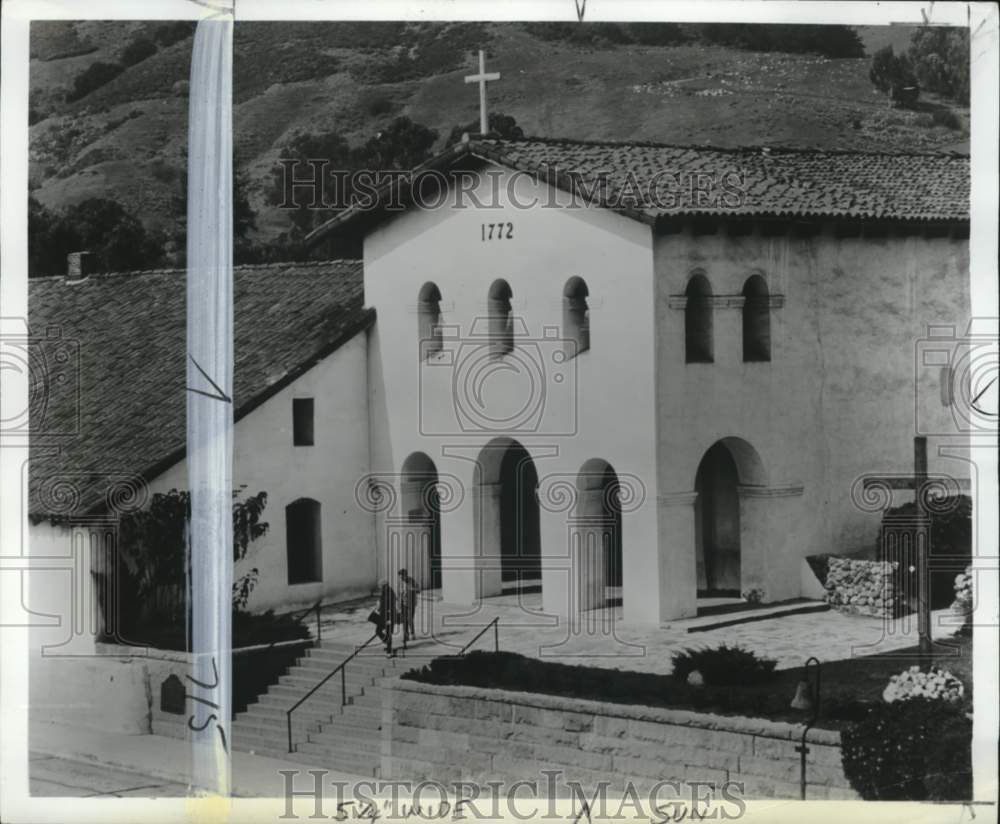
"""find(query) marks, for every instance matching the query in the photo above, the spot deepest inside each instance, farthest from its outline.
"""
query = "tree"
(940, 58)
(137, 51)
(892, 74)
(400, 146)
(500, 124)
(153, 550)
(93, 77)
(118, 238)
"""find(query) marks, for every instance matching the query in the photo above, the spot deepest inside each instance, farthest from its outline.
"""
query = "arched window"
(501, 318)
(576, 316)
(429, 320)
(303, 543)
(698, 321)
(756, 320)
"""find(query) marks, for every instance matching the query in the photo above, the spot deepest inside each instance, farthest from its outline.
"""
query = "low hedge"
(518, 673)
(249, 629)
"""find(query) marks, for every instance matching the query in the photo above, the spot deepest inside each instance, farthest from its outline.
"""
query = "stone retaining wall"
(449, 733)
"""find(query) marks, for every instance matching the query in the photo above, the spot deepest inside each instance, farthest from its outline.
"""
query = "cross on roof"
(482, 79)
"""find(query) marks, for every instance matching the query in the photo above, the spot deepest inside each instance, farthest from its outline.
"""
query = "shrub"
(724, 665)
(915, 750)
(950, 546)
(946, 118)
(914, 683)
(170, 33)
(93, 77)
(137, 51)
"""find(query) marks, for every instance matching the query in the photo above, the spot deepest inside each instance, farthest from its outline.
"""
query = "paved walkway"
(55, 777)
(74, 761)
(605, 640)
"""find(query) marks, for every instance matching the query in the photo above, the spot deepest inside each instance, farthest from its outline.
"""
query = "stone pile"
(861, 586)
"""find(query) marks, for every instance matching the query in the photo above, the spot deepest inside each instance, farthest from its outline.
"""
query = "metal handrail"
(495, 623)
(343, 687)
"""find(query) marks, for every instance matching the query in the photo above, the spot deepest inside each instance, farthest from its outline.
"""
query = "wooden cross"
(482, 79)
(918, 483)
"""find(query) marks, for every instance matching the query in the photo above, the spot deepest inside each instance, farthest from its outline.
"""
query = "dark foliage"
(950, 550)
(137, 51)
(892, 74)
(656, 34)
(402, 145)
(593, 34)
(946, 118)
(940, 59)
(97, 225)
(169, 33)
(93, 77)
(509, 671)
(724, 665)
(826, 40)
(151, 578)
(913, 750)
(500, 124)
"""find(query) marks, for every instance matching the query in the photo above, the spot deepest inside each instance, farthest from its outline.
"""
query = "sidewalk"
(167, 759)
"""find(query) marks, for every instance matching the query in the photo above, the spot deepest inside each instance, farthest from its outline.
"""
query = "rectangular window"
(302, 421)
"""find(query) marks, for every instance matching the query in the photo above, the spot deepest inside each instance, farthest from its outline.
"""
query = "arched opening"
(508, 518)
(726, 465)
(422, 509)
(698, 345)
(576, 316)
(501, 318)
(756, 320)
(303, 541)
(429, 320)
(599, 516)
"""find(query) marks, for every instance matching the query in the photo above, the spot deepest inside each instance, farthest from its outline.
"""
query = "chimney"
(79, 265)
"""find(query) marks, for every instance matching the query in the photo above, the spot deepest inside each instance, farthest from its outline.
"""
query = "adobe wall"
(264, 458)
(599, 404)
(844, 394)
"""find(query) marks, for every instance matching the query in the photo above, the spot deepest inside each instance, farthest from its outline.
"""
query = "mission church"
(627, 399)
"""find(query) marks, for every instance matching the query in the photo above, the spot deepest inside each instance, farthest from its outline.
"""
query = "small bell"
(802, 699)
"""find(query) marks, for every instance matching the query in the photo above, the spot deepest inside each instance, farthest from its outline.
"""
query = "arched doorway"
(726, 465)
(422, 510)
(508, 519)
(599, 516)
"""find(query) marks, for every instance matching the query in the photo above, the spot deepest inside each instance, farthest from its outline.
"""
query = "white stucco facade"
(835, 401)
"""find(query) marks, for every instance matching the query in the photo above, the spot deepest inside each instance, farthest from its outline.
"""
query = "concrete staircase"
(324, 733)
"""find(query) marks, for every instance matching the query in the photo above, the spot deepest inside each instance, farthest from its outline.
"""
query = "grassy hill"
(126, 140)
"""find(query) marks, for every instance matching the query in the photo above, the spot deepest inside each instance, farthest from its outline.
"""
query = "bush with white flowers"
(963, 591)
(935, 684)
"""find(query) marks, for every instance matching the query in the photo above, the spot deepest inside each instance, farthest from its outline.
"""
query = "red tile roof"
(650, 181)
(120, 409)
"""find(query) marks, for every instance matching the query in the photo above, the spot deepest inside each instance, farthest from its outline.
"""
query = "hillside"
(126, 140)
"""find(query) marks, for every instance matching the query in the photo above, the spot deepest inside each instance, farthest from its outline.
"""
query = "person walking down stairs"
(408, 592)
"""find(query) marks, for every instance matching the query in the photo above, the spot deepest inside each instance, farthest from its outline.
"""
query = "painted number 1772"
(497, 231)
